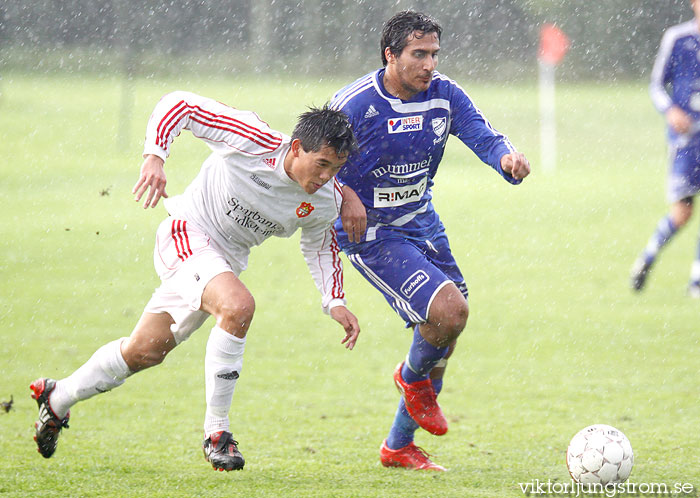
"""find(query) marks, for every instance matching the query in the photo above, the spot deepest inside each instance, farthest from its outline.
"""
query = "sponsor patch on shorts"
(414, 282)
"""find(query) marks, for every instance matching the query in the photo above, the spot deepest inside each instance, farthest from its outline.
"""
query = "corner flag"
(553, 47)
(553, 44)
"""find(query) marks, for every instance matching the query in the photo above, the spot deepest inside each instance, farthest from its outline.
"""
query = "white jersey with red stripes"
(242, 195)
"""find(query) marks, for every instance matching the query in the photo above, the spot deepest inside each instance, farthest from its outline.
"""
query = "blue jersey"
(675, 78)
(401, 145)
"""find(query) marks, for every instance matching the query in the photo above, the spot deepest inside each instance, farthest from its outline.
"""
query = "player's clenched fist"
(151, 179)
(516, 164)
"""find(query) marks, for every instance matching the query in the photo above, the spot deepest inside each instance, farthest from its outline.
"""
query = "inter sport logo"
(404, 125)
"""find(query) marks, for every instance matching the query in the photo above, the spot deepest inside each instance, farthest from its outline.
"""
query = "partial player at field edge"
(674, 92)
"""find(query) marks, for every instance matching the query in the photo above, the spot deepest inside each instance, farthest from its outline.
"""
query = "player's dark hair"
(397, 30)
(325, 126)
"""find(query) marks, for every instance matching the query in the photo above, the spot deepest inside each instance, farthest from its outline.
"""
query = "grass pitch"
(555, 340)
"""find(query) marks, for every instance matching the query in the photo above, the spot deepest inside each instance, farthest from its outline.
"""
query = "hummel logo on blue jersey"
(371, 112)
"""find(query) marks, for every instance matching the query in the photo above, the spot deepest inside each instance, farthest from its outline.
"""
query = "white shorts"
(186, 261)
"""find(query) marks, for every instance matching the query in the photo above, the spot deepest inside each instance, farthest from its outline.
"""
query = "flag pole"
(553, 47)
(548, 127)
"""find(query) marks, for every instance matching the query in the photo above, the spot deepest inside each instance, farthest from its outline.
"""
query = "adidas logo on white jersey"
(371, 112)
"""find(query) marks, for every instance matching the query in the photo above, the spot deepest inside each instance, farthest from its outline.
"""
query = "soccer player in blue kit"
(675, 92)
(402, 115)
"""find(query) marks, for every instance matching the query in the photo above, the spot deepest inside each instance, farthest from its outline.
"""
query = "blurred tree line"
(484, 39)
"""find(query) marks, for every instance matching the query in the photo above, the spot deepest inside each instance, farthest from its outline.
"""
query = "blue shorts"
(684, 171)
(409, 273)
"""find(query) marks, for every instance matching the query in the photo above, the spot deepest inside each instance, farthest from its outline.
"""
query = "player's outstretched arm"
(152, 180)
(353, 215)
(344, 317)
(516, 165)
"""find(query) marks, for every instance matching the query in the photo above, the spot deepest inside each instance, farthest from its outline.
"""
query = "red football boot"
(409, 457)
(421, 403)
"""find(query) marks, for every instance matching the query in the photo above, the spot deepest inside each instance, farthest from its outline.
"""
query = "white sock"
(222, 366)
(105, 370)
(695, 271)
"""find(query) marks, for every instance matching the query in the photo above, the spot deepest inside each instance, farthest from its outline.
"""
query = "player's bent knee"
(680, 219)
(236, 315)
(449, 310)
(445, 331)
(452, 321)
(139, 356)
(681, 212)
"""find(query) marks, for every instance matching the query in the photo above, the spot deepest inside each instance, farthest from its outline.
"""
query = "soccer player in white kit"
(256, 183)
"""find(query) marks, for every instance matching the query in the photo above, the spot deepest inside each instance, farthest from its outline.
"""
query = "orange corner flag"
(553, 44)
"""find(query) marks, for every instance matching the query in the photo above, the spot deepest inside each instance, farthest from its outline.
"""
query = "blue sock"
(437, 386)
(402, 430)
(663, 233)
(404, 427)
(422, 357)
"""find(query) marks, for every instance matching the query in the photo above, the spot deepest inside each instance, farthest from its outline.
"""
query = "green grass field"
(555, 341)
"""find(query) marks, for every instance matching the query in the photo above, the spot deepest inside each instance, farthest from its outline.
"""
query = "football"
(599, 454)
